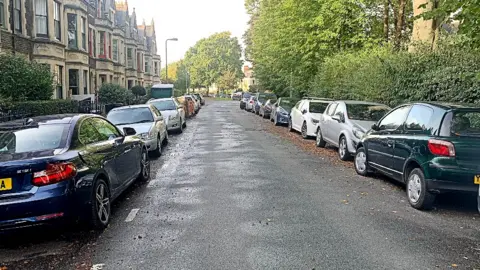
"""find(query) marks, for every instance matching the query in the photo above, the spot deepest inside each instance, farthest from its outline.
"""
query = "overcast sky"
(189, 21)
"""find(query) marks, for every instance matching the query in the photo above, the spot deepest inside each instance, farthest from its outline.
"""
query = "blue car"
(281, 110)
(61, 167)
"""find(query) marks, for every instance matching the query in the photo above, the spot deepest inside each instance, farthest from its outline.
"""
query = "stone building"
(85, 43)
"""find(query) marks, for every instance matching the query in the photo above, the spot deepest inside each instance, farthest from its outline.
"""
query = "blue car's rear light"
(54, 173)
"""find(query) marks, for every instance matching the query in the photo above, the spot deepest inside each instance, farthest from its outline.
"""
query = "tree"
(211, 57)
(139, 90)
(227, 81)
(22, 80)
(113, 93)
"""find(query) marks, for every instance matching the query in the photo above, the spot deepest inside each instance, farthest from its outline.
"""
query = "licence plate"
(5, 184)
(476, 180)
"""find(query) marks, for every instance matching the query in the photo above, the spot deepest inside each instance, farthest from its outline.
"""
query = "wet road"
(230, 194)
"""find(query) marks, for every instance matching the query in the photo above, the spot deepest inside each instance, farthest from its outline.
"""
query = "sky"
(189, 21)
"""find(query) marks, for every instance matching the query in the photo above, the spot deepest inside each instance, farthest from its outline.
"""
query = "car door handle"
(390, 143)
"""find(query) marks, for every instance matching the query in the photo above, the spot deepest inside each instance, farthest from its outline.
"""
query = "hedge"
(36, 108)
(451, 73)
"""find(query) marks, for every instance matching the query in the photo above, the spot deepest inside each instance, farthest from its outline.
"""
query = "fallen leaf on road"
(454, 265)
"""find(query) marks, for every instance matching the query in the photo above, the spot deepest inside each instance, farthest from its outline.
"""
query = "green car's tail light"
(441, 148)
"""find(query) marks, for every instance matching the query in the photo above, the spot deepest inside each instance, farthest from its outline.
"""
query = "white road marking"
(132, 215)
(98, 266)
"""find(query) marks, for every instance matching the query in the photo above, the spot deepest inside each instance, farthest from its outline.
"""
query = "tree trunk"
(386, 19)
(423, 30)
(400, 22)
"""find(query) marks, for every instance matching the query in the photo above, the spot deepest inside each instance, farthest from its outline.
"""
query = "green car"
(431, 147)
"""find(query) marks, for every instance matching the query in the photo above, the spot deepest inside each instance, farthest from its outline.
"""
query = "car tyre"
(417, 193)
(343, 153)
(100, 205)
(304, 130)
(319, 141)
(165, 140)
(361, 162)
(144, 175)
(180, 129)
(158, 151)
(185, 124)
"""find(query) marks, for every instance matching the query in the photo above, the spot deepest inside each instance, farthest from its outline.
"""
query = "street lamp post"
(166, 53)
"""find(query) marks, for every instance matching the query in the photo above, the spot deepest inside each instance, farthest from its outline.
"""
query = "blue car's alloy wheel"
(100, 205)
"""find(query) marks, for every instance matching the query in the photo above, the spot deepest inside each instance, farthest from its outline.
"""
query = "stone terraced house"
(84, 42)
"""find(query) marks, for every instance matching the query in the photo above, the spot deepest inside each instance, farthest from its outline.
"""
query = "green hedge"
(451, 73)
(36, 108)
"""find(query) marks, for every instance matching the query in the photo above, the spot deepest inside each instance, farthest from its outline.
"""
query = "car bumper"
(451, 178)
(48, 204)
(311, 129)
(151, 144)
(173, 124)
(282, 119)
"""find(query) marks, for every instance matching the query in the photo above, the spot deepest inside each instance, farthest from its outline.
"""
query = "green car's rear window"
(461, 123)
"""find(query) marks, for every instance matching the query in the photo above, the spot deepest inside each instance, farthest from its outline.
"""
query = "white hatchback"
(306, 114)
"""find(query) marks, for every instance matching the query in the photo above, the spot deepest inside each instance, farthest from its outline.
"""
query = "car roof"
(131, 107)
(161, 99)
(449, 105)
(359, 102)
(35, 121)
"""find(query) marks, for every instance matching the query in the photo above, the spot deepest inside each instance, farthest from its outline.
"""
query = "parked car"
(345, 122)
(261, 99)
(281, 110)
(200, 98)
(266, 109)
(249, 105)
(306, 114)
(65, 167)
(431, 147)
(243, 101)
(173, 113)
(189, 105)
(237, 96)
(148, 122)
(196, 101)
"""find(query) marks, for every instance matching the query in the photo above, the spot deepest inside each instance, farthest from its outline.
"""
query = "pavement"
(234, 192)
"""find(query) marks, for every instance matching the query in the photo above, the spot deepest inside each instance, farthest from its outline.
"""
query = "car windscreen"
(288, 104)
(41, 138)
(164, 105)
(366, 112)
(130, 116)
(465, 123)
(317, 107)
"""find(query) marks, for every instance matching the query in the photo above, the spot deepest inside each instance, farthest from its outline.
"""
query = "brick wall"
(22, 45)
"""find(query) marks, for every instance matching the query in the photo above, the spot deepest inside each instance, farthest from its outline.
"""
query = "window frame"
(332, 105)
(408, 106)
(102, 46)
(19, 17)
(45, 16)
(77, 87)
(115, 50)
(405, 124)
(83, 29)
(2, 14)
(70, 41)
(85, 82)
(57, 19)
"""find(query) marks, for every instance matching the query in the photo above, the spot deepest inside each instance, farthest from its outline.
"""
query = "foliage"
(22, 80)
(139, 90)
(466, 11)
(211, 57)
(227, 81)
(43, 107)
(113, 93)
(288, 40)
(449, 74)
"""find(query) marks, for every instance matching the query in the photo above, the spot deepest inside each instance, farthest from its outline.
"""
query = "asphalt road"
(232, 192)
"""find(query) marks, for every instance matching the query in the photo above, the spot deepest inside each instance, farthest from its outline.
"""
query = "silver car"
(173, 112)
(344, 123)
(147, 121)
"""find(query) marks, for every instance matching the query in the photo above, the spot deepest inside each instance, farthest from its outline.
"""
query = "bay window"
(115, 50)
(84, 33)
(73, 81)
(56, 21)
(17, 15)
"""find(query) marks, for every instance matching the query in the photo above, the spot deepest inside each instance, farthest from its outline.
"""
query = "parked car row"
(430, 147)
(70, 167)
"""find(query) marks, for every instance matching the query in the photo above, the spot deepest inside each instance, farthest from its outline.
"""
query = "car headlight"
(146, 136)
(315, 121)
(358, 133)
